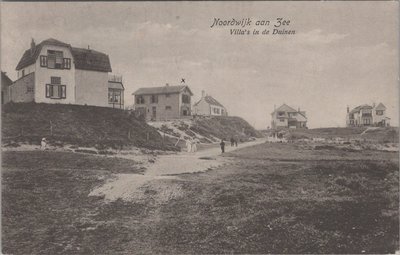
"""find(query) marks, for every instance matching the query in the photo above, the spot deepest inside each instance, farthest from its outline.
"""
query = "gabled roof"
(380, 107)
(358, 108)
(284, 108)
(84, 59)
(210, 100)
(161, 90)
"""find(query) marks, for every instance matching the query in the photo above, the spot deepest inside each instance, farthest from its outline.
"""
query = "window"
(114, 96)
(55, 80)
(154, 99)
(379, 112)
(281, 113)
(167, 107)
(23, 72)
(140, 100)
(43, 61)
(55, 90)
(29, 89)
(185, 99)
(216, 110)
(66, 63)
(282, 120)
(55, 59)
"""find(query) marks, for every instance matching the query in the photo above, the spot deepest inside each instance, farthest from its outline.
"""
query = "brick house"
(55, 72)
(209, 106)
(287, 117)
(163, 103)
(366, 115)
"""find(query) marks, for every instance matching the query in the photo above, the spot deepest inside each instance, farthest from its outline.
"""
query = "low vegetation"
(88, 126)
(270, 198)
(224, 127)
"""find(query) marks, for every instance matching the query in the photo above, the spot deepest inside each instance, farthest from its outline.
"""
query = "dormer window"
(55, 59)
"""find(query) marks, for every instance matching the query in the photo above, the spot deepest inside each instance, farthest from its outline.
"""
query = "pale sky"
(343, 53)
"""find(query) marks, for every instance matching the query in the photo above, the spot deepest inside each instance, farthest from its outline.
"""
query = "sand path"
(129, 187)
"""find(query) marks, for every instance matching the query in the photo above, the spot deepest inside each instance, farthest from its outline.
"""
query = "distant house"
(55, 72)
(366, 115)
(287, 117)
(115, 92)
(5, 84)
(163, 103)
(209, 106)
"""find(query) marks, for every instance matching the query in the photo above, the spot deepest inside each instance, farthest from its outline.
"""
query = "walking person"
(222, 144)
(232, 141)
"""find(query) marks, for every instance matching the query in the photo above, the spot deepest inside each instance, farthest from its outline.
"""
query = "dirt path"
(129, 187)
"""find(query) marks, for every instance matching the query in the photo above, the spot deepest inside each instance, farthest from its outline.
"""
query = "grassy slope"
(225, 127)
(81, 125)
(273, 198)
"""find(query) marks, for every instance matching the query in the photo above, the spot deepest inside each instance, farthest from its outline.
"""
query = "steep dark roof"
(161, 90)
(210, 100)
(83, 58)
(91, 60)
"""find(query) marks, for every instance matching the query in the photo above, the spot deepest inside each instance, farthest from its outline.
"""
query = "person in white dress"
(189, 145)
(194, 145)
(43, 144)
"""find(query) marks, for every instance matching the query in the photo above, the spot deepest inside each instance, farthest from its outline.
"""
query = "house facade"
(163, 103)
(55, 72)
(209, 106)
(5, 84)
(367, 115)
(287, 117)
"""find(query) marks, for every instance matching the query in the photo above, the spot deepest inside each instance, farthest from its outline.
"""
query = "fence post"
(51, 128)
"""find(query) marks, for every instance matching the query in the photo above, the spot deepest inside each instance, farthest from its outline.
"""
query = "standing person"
(236, 140)
(222, 143)
(232, 141)
(194, 145)
(43, 144)
(189, 146)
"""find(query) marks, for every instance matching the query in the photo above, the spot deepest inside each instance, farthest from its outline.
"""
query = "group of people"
(233, 141)
(191, 145)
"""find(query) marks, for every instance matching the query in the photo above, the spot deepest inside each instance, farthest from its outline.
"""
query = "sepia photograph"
(200, 127)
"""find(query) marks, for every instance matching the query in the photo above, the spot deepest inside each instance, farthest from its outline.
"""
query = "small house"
(163, 103)
(367, 115)
(209, 106)
(287, 117)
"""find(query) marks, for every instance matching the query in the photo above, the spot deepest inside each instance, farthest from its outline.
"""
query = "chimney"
(203, 94)
(33, 46)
